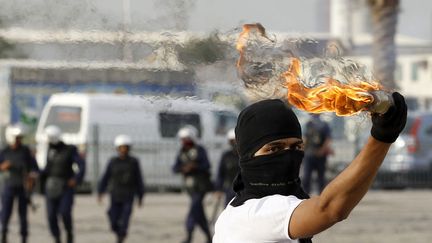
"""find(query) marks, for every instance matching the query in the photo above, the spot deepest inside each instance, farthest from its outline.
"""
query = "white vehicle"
(92, 121)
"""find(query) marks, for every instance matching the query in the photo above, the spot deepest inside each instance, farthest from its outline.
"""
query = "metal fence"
(156, 155)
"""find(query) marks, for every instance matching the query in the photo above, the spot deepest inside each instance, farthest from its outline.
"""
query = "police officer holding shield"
(60, 181)
(19, 169)
(124, 180)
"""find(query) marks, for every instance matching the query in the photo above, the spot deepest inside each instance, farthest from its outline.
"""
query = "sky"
(197, 15)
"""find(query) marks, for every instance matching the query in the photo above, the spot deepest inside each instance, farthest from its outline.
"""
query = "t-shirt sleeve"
(272, 215)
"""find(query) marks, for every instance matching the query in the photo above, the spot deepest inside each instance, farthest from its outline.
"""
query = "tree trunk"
(384, 21)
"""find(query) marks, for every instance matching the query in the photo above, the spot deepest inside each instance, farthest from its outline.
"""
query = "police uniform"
(59, 195)
(317, 132)
(197, 182)
(124, 180)
(22, 163)
(228, 169)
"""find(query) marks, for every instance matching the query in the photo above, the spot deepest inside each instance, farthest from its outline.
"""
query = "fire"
(331, 96)
(244, 38)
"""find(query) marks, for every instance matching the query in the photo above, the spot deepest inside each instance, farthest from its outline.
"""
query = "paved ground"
(383, 216)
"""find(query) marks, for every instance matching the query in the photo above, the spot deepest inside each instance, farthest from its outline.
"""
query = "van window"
(224, 122)
(170, 123)
(67, 118)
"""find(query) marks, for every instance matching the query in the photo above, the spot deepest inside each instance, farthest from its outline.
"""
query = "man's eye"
(274, 149)
(297, 147)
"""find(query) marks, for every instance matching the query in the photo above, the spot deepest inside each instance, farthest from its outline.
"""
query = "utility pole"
(127, 52)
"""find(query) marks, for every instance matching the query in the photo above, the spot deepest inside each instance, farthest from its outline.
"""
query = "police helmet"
(53, 134)
(122, 140)
(188, 132)
(230, 134)
(12, 132)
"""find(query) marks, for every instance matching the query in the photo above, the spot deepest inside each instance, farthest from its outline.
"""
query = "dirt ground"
(382, 216)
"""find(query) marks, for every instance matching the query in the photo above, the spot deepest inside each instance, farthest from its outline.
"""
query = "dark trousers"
(61, 206)
(8, 196)
(312, 164)
(196, 214)
(119, 214)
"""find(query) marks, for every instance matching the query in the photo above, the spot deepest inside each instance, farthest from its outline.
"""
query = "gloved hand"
(386, 127)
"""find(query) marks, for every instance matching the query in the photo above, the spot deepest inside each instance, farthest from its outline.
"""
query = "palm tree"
(384, 21)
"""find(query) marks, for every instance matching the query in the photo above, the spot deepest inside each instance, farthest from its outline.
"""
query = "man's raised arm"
(342, 194)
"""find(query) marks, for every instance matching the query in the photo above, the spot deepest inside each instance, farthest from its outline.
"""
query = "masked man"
(60, 182)
(193, 164)
(124, 180)
(270, 204)
(19, 168)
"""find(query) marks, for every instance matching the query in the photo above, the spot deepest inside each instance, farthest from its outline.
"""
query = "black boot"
(188, 238)
(57, 239)
(24, 239)
(70, 238)
(120, 239)
(209, 239)
(4, 237)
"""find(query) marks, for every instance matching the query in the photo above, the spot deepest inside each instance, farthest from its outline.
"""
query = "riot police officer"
(60, 182)
(228, 169)
(192, 162)
(317, 149)
(124, 180)
(20, 169)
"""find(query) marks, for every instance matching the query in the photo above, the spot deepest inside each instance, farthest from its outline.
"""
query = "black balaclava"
(264, 175)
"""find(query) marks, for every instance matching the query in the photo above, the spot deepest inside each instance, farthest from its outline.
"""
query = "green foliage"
(202, 51)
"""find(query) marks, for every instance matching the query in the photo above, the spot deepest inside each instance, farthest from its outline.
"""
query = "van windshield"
(67, 118)
(224, 122)
(170, 123)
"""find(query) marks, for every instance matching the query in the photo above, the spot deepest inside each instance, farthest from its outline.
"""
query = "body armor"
(122, 181)
(20, 160)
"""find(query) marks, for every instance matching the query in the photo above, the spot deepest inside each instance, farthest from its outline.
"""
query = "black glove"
(386, 127)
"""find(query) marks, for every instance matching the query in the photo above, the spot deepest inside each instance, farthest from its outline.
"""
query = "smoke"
(265, 59)
(54, 14)
(174, 14)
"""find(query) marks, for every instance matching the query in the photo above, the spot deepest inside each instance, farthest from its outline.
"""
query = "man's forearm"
(349, 187)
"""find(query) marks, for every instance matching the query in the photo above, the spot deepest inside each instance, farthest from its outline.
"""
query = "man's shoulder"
(113, 159)
(71, 148)
(228, 153)
(134, 159)
(200, 147)
(277, 198)
(273, 203)
(26, 149)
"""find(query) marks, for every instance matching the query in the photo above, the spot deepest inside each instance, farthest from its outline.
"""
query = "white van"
(91, 122)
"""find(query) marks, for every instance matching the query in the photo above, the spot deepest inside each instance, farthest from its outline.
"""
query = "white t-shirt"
(263, 220)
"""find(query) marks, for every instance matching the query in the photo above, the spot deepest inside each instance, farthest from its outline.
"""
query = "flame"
(244, 38)
(344, 99)
(331, 96)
